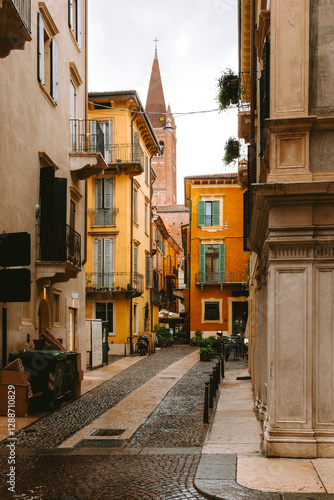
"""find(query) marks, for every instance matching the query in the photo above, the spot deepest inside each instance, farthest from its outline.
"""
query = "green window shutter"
(202, 252)
(216, 213)
(107, 275)
(190, 215)
(40, 48)
(221, 263)
(201, 213)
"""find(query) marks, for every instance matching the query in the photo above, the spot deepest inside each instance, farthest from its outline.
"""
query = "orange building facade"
(215, 260)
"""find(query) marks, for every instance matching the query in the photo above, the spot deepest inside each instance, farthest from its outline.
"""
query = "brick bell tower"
(164, 188)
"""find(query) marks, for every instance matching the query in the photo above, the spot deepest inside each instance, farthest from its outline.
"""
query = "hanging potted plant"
(227, 89)
(232, 147)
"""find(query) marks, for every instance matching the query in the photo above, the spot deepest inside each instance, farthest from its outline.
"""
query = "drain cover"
(106, 432)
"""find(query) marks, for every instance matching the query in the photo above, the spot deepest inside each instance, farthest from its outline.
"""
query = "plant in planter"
(227, 89)
(232, 148)
(206, 353)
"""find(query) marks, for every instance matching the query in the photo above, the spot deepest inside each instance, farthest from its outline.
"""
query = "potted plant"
(227, 89)
(206, 353)
(232, 147)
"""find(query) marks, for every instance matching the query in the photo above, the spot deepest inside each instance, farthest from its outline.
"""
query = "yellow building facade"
(216, 299)
(119, 261)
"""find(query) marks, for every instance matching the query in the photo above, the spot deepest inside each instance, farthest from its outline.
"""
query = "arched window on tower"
(162, 147)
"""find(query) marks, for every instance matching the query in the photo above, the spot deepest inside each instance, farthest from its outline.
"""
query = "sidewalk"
(232, 466)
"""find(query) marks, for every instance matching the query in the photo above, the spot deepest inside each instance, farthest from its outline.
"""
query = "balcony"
(15, 25)
(114, 285)
(87, 148)
(58, 252)
(156, 297)
(171, 271)
(204, 278)
(103, 216)
(126, 157)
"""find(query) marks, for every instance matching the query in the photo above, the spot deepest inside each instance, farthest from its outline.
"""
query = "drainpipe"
(86, 118)
(252, 168)
(131, 244)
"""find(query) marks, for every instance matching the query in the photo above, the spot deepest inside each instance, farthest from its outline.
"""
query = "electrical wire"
(175, 115)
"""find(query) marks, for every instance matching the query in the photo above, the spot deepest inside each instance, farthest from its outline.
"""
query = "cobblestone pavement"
(158, 462)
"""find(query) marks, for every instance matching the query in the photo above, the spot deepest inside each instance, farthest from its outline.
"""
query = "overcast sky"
(197, 41)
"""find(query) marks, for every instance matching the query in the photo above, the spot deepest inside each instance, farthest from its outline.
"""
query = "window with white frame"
(74, 19)
(47, 55)
(107, 129)
(135, 205)
(104, 215)
(212, 310)
(146, 217)
(209, 213)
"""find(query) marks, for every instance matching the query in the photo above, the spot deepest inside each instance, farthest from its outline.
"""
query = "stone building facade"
(289, 223)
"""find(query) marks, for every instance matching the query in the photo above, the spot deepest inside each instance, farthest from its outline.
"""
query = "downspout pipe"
(86, 118)
(131, 244)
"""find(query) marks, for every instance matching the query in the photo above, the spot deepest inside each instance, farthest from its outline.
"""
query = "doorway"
(43, 317)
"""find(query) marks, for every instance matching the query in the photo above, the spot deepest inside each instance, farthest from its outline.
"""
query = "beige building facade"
(289, 223)
(45, 158)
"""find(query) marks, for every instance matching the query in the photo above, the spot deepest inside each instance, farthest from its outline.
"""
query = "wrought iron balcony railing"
(103, 216)
(114, 282)
(218, 278)
(23, 8)
(87, 136)
(59, 244)
(124, 153)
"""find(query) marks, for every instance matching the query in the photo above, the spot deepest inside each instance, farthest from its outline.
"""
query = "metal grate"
(101, 443)
(106, 432)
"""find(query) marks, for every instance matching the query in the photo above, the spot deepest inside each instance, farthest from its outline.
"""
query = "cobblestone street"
(159, 461)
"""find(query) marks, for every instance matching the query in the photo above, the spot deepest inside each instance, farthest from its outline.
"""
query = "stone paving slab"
(216, 471)
(230, 490)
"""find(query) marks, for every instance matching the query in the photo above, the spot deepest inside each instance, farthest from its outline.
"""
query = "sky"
(197, 42)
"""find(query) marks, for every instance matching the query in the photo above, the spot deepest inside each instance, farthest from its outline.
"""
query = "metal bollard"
(223, 367)
(125, 350)
(214, 385)
(206, 404)
(218, 371)
(217, 377)
(211, 392)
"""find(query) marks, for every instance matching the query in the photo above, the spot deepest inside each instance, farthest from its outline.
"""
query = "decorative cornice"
(49, 23)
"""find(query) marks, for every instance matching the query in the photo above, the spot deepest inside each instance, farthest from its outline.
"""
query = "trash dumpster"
(51, 375)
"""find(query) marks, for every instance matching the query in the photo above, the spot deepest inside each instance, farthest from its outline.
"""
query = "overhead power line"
(155, 112)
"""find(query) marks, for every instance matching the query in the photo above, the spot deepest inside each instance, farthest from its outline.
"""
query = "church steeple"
(155, 102)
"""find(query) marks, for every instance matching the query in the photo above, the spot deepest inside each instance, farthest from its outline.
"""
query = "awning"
(164, 314)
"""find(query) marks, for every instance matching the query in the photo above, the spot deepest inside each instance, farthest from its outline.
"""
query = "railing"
(23, 8)
(218, 278)
(114, 282)
(172, 270)
(103, 216)
(124, 153)
(87, 136)
(58, 244)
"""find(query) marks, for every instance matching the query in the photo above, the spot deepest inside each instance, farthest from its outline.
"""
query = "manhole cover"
(101, 443)
(106, 432)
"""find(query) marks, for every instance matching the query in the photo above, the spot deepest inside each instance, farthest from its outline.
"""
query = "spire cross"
(156, 43)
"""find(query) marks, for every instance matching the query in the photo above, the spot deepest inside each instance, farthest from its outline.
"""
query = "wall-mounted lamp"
(225, 226)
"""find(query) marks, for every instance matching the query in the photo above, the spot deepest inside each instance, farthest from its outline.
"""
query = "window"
(209, 213)
(135, 261)
(104, 202)
(56, 308)
(104, 262)
(105, 311)
(211, 311)
(146, 169)
(47, 56)
(106, 128)
(148, 271)
(74, 19)
(135, 205)
(146, 218)
(162, 148)
(212, 263)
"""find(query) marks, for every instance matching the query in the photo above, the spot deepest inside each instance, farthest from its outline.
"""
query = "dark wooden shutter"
(70, 13)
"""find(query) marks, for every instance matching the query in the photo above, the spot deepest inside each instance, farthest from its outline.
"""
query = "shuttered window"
(146, 169)
(47, 60)
(148, 271)
(104, 202)
(135, 262)
(209, 213)
(135, 205)
(107, 132)
(104, 262)
(211, 263)
(74, 19)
